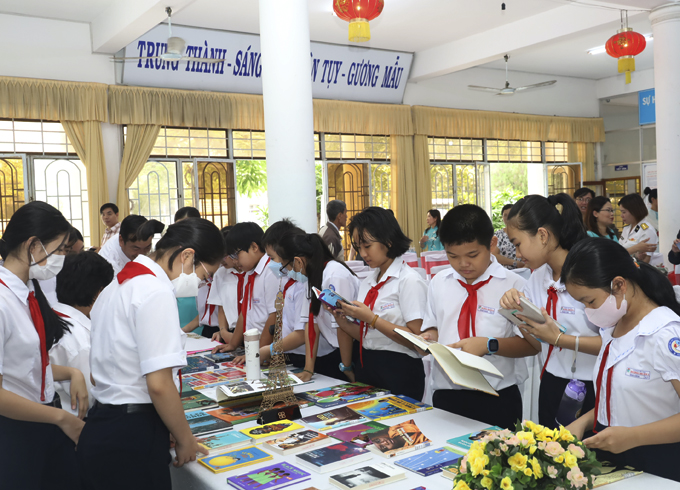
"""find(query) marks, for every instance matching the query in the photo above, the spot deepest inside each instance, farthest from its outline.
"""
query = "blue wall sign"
(647, 106)
(620, 168)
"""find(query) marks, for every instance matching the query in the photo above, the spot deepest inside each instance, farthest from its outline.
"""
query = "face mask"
(607, 315)
(52, 267)
(275, 267)
(297, 276)
(186, 285)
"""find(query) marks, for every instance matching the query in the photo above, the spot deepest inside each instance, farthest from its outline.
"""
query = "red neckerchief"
(551, 308)
(133, 269)
(287, 287)
(468, 313)
(608, 396)
(369, 301)
(210, 308)
(248, 295)
(239, 288)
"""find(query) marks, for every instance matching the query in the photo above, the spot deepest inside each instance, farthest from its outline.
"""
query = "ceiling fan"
(175, 49)
(508, 90)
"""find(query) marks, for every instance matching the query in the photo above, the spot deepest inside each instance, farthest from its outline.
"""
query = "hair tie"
(637, 264)
(559, 208)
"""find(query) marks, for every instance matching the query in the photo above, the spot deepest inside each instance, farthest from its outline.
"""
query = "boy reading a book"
(462, 312)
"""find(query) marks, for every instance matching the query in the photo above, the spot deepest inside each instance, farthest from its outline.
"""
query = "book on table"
(332, 458)
(270, 477)
(334, 419)
(465, 442)
(248, 388)
(611, 474)
(358, 435)
(462, 368)
(194, 400)
(367, 477)
(197, 364)
(211, 379)
(202, 423)
(398, 440)
(224, 441)
(271, 429)
(430, 462)
(304, 440)
(388, 407)
(334, 396)
(218, 463)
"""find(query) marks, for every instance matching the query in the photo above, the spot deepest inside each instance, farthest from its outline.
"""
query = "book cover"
(398, 439)
(450, 472)
(201, 423)
(385, 408)
(343, 394)
(300, 441)
(270, 477)
(244, 388)
(197, 364)
(210, 379)
(334, 419)
(219, 463)
(333, 457)
(223, 441)
(430, 462)
(193, 400)
(238, 414)
(223, 357)
(271, 429)
(611, 474)
(358, 434)
(367, 477)
(465, 442)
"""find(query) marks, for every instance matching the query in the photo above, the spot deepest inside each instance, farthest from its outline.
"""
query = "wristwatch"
(492, 346)
(514, 264)
(344, 368)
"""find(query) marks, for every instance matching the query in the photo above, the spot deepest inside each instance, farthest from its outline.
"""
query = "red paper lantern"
(624, 45)
(358, 13)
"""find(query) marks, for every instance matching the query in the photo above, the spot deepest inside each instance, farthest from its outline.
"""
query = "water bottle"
(251, 342)
(572, 402)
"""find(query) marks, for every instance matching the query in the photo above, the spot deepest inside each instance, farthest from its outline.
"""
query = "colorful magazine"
(343, 394)
(245, 388)
(392, 406)
(197, 364)
(271, 429)
(334, 419)
(294, 443)
(398, 439)
(331, 458)
(202, 423)
(238, 413)
(430, 462)
(367, 477)
(199, 381)
(358, 434)
(224, 357)
(465, 442)
(224, 441)
(235, 459)
(270, 477)
(193, 400)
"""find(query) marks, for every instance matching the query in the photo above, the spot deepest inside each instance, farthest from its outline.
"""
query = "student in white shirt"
(260, 285)
(79, 283)
(128, 244)
(393, 297)
(226, 294)
(307, 259)
(462, 312)
(74, 245)
(137, 349)
(543, 230)
(639, 237)
(38, 438)
(637, 414)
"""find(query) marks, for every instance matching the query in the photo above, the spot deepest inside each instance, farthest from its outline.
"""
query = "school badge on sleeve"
(674, 346)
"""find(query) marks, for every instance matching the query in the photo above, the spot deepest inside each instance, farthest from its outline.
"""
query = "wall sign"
(337, 71)
(647, 106)
(620, 168)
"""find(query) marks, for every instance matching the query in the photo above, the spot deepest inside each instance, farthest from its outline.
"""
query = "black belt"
(56, 402)
(128, 407)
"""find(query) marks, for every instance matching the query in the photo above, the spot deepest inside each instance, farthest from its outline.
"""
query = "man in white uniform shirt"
(126, 246)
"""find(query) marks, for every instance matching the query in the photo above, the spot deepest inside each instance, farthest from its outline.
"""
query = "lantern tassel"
(359, 31)
(627, 65)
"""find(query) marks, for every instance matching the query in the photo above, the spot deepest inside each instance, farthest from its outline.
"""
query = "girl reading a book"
(137, 349)
(38, 437)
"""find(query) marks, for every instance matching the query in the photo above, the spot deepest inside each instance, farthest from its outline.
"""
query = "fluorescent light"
(601, 49)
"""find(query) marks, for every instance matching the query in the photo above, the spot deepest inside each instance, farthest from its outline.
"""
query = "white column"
(666, 29)
(288, 111)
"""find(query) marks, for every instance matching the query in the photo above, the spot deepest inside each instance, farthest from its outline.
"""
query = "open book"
(462, 368)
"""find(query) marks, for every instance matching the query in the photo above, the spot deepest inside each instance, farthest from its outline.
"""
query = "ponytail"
(149, 229)
(198, 234)
(55, 326)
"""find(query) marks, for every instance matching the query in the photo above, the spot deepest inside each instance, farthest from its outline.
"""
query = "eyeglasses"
(234, 256)
(605, 210)
(209, 276)
(283, 269)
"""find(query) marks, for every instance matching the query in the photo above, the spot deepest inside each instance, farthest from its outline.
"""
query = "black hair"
(635, 205)
(507, 206)
(82, 278)
(652, 193)
(197, 233)
(312, 247)
(533, 212)
(583, 191)
(595, 205)
(594, 263)
(187, 212)
(334, 208)
(436, 215)
(74, 236)
(272, 236)
(242, 235)
(135, 227)
(44, 222)
(381, 226)
(107, 206)
(466, 223)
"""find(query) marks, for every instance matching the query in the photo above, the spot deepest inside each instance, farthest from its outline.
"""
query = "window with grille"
(11, 188)
(249, 145)
(381, 185)
(35, 137)
(514, 151)
(456, 149)
(556, 152)
(356, 147)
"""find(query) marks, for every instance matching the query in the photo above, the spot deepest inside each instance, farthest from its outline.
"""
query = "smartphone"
(331, 298)
(529, 310)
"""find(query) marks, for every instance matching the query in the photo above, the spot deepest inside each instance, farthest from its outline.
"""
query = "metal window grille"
(154, 193)
(249, 145)
(456, 149)
(514, 151)
(381, 185)
(216, 192)
(190, 142)
(556, 152)
(12, 195)
(34, 137)
(356, 147)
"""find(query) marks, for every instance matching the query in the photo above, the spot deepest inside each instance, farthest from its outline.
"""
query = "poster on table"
(337, 71)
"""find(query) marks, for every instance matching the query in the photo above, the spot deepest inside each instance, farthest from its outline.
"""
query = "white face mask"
(186, 285)
(607, 314)
(52, 266)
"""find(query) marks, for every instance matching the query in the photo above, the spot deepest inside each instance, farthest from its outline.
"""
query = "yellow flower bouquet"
(531, 457)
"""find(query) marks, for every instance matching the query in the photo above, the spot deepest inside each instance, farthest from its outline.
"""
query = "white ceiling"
(75, 10)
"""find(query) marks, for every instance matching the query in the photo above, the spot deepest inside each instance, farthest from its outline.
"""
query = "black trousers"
(328, 365)
(550, 395)
(394, 371)
(118, 451)
(36, 456)
(208, 331)
(504, 410)
(659, 459)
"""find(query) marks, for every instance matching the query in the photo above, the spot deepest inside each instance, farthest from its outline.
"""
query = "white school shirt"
(340, 279)
(446, 297)
(49, 289)
(643, 230)
(224, 293)
(263, 300)
(114, 255)
(570, 314)
(203, 305)
(401, 300)
(135, 331)
(292, 302)
(645, 360)
(73, 350)
(20, 363)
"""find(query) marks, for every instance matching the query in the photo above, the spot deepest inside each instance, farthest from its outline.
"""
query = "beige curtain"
(584, 153)
(138, 145)
(411, 192)
(337, 116)
(86, 138)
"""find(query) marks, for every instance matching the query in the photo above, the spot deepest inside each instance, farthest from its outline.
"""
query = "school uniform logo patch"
(674, 346)
(256, 301)
(568, 310)
(387, 306)
(332, 288)
(637, 373)
(486, 309)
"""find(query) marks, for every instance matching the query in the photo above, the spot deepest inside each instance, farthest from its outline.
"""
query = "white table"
(437, 425)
